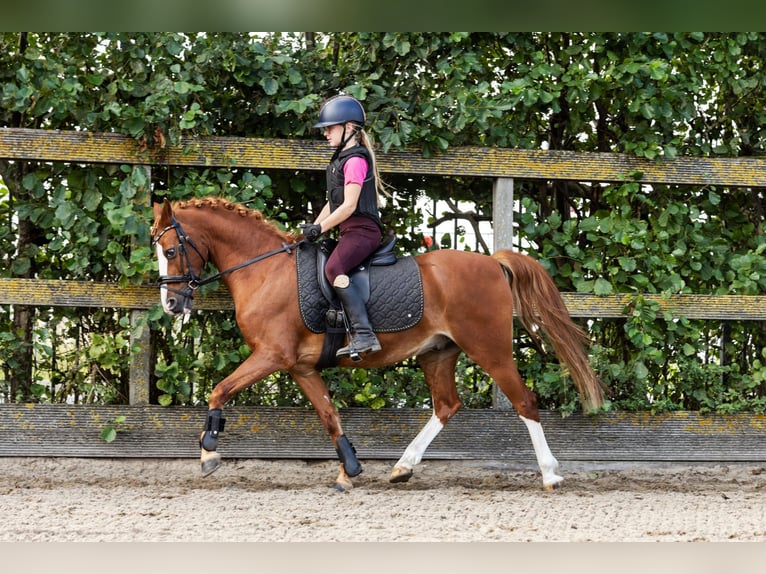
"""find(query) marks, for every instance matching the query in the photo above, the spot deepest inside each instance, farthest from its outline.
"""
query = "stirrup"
(354, 353)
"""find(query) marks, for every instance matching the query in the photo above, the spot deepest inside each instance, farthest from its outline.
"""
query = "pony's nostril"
(172, 303)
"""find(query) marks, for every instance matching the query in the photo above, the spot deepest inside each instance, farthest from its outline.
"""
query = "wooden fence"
(62, 430)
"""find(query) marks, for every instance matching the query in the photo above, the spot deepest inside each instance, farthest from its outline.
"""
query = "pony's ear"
(163, 213)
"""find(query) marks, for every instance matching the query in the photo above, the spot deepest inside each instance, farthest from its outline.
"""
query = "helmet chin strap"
(343, 141)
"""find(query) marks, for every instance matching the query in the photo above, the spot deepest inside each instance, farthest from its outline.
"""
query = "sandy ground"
(128, 500)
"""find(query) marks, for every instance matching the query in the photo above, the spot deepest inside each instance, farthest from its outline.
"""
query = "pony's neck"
(232, 238)
(231, 232)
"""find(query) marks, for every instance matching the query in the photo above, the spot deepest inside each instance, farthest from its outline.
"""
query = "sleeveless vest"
(368, 198)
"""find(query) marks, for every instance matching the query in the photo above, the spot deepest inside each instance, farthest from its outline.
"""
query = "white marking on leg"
(414, 452)
(548, 464)
(162, 262)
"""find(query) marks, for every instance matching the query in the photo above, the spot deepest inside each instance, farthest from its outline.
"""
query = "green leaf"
(64, 213)
(181, 87)
(402, 48)
(165, 400)
(270, 86)
(22, 74)
(91, 199)
(21, 266)
(108, 434)
(627, 263)
(30, 181)
(584, 286)
(602, 287)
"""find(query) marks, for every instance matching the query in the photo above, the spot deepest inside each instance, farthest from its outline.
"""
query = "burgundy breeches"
(359, 237)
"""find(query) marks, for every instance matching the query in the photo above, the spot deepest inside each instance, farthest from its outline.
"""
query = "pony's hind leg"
(413, 454)
(549, 466)
(502, 369)
(439, 371)
(524, 403)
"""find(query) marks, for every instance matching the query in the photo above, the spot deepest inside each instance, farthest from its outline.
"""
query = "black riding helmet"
(339, 110)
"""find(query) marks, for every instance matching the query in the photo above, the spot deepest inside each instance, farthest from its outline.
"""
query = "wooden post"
(502, 233)
(502, 213)
(140, 362)
(140, 334)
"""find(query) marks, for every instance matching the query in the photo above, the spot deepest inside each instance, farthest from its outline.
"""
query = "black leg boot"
(363, 339)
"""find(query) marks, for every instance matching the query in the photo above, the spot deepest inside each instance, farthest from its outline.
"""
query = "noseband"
(192, 280)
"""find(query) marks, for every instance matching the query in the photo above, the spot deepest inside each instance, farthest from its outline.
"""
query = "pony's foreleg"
(349, 464)
(254, 368)
(549, 466)
(413, 454)
(210, 460)
(347, 455)
(314, 388)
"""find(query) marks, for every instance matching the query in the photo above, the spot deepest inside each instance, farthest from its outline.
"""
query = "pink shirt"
(355, 170)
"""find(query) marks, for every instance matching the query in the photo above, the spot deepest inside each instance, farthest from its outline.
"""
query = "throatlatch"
(347, 455)
(215, 424)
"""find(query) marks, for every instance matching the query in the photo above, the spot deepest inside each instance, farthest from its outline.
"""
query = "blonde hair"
(366, 141)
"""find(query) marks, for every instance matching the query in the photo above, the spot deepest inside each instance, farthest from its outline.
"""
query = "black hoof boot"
(213, 427)
(347, 455)
(208, 442)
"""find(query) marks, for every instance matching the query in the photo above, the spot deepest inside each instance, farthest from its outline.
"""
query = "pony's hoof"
(400, 474)
(343, 482)
(210, 462)
(343, 485)
(552, 487)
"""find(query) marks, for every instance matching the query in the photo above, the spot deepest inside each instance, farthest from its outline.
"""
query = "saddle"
(391, 288)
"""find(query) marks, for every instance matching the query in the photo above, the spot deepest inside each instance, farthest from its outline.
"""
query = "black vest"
(368, 198)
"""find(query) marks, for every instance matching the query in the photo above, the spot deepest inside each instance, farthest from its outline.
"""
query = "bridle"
(190, 277)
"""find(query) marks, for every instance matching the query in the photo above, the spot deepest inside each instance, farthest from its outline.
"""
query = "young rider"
(352, 207)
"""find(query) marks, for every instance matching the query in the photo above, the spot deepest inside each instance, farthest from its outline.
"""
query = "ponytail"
(380, 185)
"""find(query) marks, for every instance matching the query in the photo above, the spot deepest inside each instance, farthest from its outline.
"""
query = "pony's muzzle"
(177, 303)
(173, 306)
(181, 306)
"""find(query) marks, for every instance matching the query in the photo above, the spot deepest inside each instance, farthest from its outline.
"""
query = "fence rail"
(53, 293)
(62, 430)
(266, 153)
(292, 432)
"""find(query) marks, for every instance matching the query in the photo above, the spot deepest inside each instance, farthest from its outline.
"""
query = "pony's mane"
(219, 203)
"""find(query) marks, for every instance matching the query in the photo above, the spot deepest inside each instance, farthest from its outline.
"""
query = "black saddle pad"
(396, 294)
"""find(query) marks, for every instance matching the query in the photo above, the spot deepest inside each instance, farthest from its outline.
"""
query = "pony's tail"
(540, 308)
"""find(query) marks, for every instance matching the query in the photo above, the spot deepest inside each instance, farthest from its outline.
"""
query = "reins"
(284, 249)
(192, 280)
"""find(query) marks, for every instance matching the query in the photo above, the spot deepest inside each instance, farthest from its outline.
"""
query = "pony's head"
(180, 261)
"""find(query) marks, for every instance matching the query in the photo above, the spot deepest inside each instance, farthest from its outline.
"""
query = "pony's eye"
(170, 253)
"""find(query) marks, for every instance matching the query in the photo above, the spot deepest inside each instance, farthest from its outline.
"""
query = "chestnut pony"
(468, 303)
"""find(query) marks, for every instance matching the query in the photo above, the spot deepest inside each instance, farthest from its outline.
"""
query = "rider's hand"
(311, 231)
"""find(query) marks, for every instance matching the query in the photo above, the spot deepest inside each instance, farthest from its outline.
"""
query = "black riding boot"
(363, 339)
